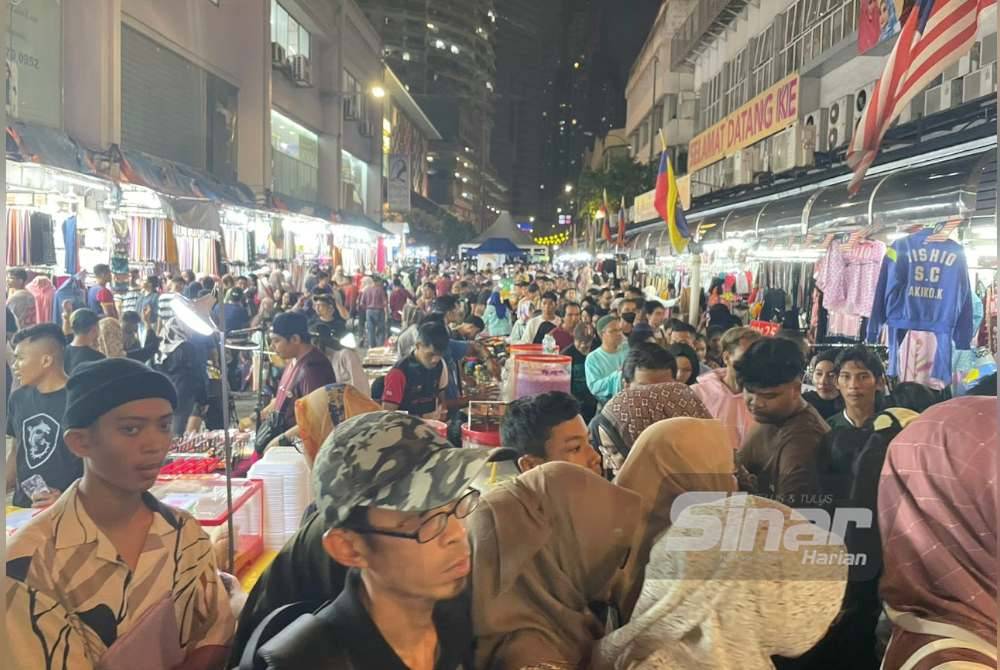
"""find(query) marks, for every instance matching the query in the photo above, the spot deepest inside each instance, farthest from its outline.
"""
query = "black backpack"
(295, 636)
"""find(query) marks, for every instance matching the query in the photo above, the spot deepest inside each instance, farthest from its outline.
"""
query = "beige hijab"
(110, 338)
(319, 412)
(544, 546)
(670, 458)
(728, 609)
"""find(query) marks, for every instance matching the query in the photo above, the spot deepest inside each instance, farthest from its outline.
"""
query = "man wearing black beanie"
(108, 576)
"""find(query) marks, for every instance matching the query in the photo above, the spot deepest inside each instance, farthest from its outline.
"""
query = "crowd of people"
(678, 508)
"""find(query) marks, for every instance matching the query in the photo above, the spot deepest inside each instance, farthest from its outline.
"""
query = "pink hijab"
(937, 514)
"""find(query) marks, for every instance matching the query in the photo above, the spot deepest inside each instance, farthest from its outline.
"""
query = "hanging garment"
(924, 286)
(18, 237)
(41, 287)
(71, 245)
(72, 291)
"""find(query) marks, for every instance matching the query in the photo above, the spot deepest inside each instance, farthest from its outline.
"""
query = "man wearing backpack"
(392, 495)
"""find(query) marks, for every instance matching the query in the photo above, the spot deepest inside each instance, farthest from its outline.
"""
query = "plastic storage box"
(204, 498)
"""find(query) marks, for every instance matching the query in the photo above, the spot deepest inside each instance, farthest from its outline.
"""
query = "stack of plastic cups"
(287, 492)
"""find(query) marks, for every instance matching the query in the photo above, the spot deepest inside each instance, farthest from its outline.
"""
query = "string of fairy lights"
(552, 240)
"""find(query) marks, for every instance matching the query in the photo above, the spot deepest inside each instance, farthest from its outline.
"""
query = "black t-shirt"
(75, 355)
(826, 408)
(35, 420)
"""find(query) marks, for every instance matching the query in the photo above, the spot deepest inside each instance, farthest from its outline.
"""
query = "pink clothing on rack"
(41, 287)
(848, 278)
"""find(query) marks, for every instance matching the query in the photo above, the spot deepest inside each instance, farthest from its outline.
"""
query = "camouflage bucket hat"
(390, 460)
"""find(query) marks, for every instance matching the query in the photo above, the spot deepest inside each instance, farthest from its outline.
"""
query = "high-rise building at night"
(526, 57)
(444, 53)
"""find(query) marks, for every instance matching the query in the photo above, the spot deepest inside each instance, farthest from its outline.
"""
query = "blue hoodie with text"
(924, 286)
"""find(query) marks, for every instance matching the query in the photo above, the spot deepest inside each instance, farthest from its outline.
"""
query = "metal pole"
(694, 294)
(227, 441)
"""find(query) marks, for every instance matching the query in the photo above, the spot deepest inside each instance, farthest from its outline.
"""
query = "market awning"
(497, 246)
(284, 203)
(28, 143)
(348, 218)
(180, 181)
(741, 224)
(785, 218)
(196, 214)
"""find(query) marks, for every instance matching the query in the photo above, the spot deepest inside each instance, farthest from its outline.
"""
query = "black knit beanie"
(98, 387)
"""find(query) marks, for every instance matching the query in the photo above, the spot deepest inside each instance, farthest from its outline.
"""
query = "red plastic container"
(477, 438)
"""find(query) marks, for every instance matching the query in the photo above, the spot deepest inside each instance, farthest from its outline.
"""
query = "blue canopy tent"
(498, 246)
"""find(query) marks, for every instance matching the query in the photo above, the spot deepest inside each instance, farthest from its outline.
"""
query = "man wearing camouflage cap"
(391, 494)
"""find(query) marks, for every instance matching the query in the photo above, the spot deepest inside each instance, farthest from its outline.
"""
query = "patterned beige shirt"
(69, 598)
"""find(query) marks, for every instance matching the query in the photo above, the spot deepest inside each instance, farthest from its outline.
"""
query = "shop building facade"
(276, 94)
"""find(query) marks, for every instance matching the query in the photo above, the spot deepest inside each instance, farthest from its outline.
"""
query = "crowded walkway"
(530, 466)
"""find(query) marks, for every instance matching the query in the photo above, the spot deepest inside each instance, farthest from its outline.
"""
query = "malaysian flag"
(936, 34)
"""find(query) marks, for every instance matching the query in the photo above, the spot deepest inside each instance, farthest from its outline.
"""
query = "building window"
(288, 32)
(354, 183)
(644, 132)
(355, 106)
(294, 159)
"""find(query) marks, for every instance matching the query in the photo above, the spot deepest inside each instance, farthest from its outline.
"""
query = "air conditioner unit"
(862, 97)
(951, 92)
(840, 123)
(961, 67)
(980, 83)
(820, 120)
(912, 111)
(277, 54)
(792, 148)
(988, 50)
(933, 100)
(302, 71)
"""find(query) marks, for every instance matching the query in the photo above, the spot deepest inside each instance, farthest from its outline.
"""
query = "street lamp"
(569, 188)
(378, 91)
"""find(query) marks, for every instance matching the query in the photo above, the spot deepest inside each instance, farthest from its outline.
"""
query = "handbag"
(269, 429)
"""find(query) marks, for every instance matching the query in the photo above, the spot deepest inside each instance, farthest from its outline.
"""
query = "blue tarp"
(174, 179)
(498, 246)
(28, 143)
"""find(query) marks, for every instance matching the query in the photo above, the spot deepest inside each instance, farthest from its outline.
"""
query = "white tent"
(503, 228)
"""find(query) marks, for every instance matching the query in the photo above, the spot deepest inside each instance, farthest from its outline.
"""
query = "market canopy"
(28, 143)
(504, 228)
(180, 181)
(350, 218)
(498, 246)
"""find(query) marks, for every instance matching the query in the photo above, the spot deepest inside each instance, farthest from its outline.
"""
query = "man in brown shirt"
(778, 458)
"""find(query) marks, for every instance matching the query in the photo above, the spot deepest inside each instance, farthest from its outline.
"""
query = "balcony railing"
(707, 20)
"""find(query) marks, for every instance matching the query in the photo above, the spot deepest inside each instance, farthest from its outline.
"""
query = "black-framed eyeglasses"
(433, 526)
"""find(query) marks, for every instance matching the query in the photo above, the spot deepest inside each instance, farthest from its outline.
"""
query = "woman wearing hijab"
(497, 316)
(670, 458)
(730, 609)
(635, 409)
(544, 546)
(937, 515)
(318, 413)
(110, 338)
